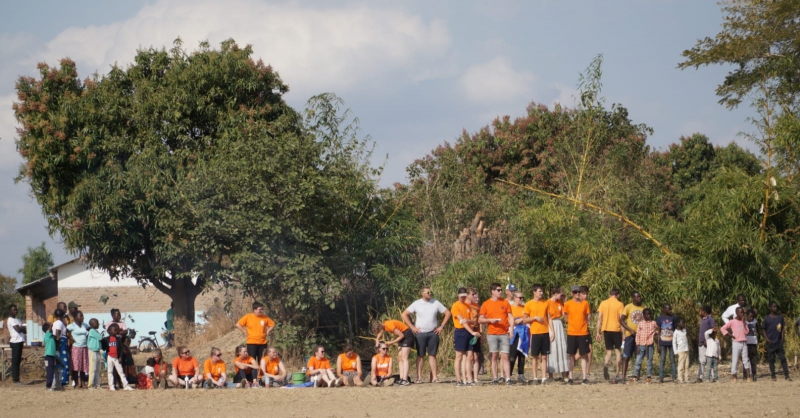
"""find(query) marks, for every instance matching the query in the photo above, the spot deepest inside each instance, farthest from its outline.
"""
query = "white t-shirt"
(59, 325)
(730, 313)
(427, 314)
(16, 337)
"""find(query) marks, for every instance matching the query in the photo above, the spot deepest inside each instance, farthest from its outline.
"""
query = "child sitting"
(146, 376)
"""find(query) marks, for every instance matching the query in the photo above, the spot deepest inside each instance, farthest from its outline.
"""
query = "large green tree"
(36, 263)
(9, 296)
(175, 170)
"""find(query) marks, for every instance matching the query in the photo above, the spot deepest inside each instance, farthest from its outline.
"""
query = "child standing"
(666, 327)
(113, 344)
(738, 329)
(773, 330)
(753, 329)
(712, 354)
(680, 346)
(53, 382)
(95, 345)
(644, 343)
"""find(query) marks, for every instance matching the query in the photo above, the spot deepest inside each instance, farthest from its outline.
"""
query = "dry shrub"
(219, 321)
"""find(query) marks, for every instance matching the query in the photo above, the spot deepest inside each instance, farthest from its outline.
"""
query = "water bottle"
(186, 380)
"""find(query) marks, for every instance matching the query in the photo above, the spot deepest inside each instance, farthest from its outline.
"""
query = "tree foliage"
(36, 263)
(9, 296)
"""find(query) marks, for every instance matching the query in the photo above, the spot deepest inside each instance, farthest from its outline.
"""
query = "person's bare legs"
(458, 364)
(434, 371)
(618, 360)
(494, 364)
(402, 361)
(585, 365)
(506, 366)
(420, 362)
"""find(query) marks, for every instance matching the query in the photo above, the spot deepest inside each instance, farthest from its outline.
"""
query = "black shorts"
(461, 340)
(477, 346)
(427, 343)
(630, 347)
(540, 344)
(408, 339)
(613, 339)
(577, 344)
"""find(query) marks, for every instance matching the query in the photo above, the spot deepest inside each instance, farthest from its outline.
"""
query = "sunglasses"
(575, 292)
(186, 352)
(517, 297)
(383, 348)
(427, 293)
(496, 290)
(322, 352)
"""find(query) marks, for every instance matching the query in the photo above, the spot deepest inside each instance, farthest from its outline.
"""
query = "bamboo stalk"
(787, 265)
(621, 217)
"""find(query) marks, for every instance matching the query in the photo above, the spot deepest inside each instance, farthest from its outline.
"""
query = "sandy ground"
(764, 398)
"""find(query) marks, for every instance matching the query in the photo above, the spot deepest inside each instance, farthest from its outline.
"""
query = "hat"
(73, 305)
(462, 291)
(574, 289)
(511, 287)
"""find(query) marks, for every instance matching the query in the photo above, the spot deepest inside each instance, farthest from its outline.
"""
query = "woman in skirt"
(60, 334)
(80, 350)
(557, 360)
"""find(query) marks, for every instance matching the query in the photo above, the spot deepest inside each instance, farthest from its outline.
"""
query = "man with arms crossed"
(608, 322)
(536, 313)
(463, 334)
(496, 312)
(426, 329)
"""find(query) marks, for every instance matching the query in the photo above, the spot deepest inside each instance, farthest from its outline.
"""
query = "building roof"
(21, 289)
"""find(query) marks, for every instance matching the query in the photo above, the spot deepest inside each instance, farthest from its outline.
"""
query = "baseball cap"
(73, 305)
(511, 287)
(574, 289)
(462, 291)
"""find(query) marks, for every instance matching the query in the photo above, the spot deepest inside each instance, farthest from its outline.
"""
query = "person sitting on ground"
(185, 370)
(320, 370)
(159, 370)
(348, 367)
(246, 368)
(381, 371)
(272, 369)
(214, 372)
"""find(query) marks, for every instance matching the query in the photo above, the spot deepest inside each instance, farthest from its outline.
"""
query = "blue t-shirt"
(79, 333)
(667, 325)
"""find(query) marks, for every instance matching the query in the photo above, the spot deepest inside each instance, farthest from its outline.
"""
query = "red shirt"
(112, 347)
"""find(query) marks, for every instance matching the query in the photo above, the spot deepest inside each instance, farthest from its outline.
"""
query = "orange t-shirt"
(576, 316)
(381, 365)
(272, 366)
(349, 364)
(610, 309)
(392, 324)
(216, 369)
(256, 328)
(540, 308)
(185, 367)
(162, 365)
(517, 311)
(555, 309)
(492, 309)
(316, 364)
(474, 314)
(457, 309)
(245, 360)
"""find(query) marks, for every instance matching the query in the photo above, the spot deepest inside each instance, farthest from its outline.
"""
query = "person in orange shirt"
(348, 367)
(272, 369)
(246, 368)
(185, 369)
(478, 361)
(496, 312)
(577, 312)
(405, 341)
(381, 373)
(320, 370)
(214, 372)
(608, 314)
(461, 339)
(536, 313)
(159, 370)
(256, 327)
(557, 361)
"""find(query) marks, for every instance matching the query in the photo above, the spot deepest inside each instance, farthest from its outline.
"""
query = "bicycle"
(148, 344)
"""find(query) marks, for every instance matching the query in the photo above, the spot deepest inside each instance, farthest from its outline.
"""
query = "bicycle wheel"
(146, 346)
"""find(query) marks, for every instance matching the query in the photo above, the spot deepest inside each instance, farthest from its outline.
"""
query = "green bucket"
(298, 378)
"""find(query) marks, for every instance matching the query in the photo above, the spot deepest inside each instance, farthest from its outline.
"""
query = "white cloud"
(567, 96)
(9, 158)
(496, 81)
(314, 49)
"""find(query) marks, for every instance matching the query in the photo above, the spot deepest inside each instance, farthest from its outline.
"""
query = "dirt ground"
(764, 398)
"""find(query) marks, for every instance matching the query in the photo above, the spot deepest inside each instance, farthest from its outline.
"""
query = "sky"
(415, 73)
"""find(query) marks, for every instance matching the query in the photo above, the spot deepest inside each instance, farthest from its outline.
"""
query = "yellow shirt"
(633, 314)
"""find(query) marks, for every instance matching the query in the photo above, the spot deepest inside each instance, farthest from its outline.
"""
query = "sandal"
(418, 381)
(435, 381)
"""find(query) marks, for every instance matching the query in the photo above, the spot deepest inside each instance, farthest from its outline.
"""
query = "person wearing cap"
(496, 313)
(461, 339)
(577, 312)
(426, 329)
(511, 288)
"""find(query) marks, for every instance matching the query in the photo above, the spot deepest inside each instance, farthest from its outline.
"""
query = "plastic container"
(298, 378)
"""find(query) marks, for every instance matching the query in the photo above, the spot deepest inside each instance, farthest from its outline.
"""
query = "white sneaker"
(112, 388)
(128, 388)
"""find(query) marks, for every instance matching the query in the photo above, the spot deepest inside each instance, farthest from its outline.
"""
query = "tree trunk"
(183, 294)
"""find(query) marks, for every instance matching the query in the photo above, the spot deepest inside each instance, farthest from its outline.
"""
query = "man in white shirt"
(17, 333)
(730, 313)
(426, 329)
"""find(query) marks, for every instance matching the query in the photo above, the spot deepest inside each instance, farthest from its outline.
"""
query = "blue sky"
(416, 73)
